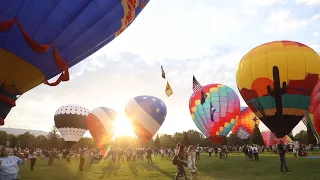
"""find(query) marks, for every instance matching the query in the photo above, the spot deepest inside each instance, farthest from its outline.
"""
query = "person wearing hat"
(282, 157)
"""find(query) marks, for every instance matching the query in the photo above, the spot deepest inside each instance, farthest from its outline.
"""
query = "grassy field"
(236, 167)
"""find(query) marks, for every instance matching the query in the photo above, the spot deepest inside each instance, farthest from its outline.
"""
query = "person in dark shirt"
(282, 156)
(148, 156)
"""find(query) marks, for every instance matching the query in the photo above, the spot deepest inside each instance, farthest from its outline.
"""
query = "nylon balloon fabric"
(270, 139)
(276, 79)
(217, 115)
(245, 123)
(146, 113)
(100, 124)
(70, 120)
(313, 116)
(42, 39)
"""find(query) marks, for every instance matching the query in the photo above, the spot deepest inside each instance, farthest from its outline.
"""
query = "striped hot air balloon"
(245, 123)
(146, 113)
(70, 120)
(100, 124)
(270, 139)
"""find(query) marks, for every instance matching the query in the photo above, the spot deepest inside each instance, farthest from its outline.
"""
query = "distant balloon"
(100, 124)
(276, 79)
(217, 116)
(146, 113)
(245, 123)
(70, 120)
(270, 139)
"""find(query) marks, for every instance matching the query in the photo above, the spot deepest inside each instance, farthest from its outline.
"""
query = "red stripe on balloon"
(143, 134)
(97, 130)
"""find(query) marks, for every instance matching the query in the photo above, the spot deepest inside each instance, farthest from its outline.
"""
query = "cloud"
(252, 6)
(284, 21)
(309, 2)
(316, 34)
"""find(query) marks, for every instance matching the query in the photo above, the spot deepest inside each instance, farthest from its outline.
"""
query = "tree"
(194, 137)
(233, 140)
(167, 141)
(302, 137)
(291, 136)
(13, 140)
(256, 136)
(41, 141)
(186, 141)
(157, 143)
(27, 140)
(178, 138)
(53, 137)
(3, 137)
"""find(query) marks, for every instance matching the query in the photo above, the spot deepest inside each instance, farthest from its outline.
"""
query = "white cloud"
(284, 21)
(316, 34)
(309, 2)
(252, 6)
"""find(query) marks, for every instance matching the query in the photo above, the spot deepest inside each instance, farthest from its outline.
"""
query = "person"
(181, 163)
(148, 156)
(33, 158)
(282, 157)
(294, 151)
(9, 164)
(51, 157)
(210, 151)
(223, 153)
(91, 157)
(192, 162)
(255, 152)
(198, 153)
(82, 158)
(162, 153)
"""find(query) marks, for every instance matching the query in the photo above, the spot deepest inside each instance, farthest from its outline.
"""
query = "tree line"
(191, 137)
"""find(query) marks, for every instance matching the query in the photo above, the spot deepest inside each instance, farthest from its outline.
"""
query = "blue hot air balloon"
(146, 113)
(40, 39)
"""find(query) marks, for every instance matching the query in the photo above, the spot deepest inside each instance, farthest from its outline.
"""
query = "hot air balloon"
(41, 39)
(217, 115)
(313, 117)
(270, 139)
(310, 126)
(146, 113)
(245, 123)
(70, 120)
(100, 125)
(276, 79)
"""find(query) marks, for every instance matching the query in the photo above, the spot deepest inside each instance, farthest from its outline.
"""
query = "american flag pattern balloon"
(70, 120)
(146, 113)
(245, 123)
(226, 106)
(100, 124)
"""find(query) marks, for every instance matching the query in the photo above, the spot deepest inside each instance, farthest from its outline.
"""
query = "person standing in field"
(181, 163)
(162, 153)
(149, 156)
(282, 157)
(198, 153)
(82, 158)
(33, 158)
(9, 164)
(192, 162)
(51, 156)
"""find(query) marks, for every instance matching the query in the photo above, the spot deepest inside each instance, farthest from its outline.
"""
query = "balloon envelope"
(245, 123)
(313, 117)
(70, 120)
(146, 113)
(270, 139)
(41, 39)
(217, 116)
(276, 79)
(100, 124)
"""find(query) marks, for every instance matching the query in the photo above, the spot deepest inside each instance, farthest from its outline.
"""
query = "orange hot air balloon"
(270, 139)
(276, 79)
(245, 123)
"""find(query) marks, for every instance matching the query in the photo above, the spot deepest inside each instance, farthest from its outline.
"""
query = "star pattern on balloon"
(255, 119)
(157, 110)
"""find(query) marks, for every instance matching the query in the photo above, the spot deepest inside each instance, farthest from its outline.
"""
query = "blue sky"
(204, 37)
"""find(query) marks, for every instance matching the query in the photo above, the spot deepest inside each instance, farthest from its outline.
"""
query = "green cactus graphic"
(277, 90)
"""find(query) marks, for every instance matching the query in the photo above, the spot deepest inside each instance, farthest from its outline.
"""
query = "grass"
(235, 167)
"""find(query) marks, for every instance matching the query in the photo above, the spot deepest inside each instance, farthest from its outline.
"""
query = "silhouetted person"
(282, 156)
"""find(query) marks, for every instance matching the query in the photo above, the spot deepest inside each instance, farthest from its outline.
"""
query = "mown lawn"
(236, 167)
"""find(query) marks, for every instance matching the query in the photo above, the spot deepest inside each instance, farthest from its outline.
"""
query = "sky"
(206, 38)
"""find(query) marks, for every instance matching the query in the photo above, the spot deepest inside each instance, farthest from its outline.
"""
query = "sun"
(122, 127)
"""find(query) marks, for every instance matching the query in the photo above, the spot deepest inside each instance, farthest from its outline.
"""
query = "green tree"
(13, 140)
(186, 141)
(41, 141)
(256, 136)
(302, 137)
(53, 138)
(167, 141)
(233, 140)
(178, 138)
(157, 142)
(194, 137)
(27, 140)
(3, 137)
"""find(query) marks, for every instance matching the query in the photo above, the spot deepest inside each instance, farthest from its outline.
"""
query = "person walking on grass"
(9, 164)
(82, 158)
(192, 162)
(282, 157)
(33, 158)
(149, 156)
(179, 160)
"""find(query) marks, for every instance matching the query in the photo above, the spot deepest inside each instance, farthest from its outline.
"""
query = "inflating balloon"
(217, 115)
(70, 120)
(245, 123)
(314, 111)
(100, 124)
(41, 39)
(270, 139)
(276, 79)
(146, 113)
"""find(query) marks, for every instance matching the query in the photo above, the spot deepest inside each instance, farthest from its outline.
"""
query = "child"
(192, 162)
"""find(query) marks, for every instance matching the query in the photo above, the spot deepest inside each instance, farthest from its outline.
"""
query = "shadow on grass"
(133, 167)
(112, 167)
(151, 167)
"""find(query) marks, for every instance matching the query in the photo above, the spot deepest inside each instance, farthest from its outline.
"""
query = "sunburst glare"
(123, 127)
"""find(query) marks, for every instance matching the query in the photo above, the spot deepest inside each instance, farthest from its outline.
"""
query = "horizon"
(208, 41)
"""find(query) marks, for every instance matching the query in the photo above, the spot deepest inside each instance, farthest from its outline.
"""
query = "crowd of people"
(182, 156)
